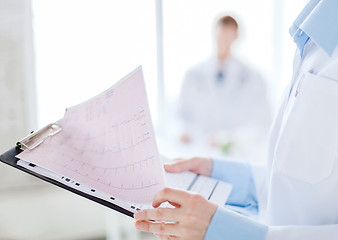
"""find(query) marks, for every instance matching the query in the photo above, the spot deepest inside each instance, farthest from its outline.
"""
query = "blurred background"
(57, 53)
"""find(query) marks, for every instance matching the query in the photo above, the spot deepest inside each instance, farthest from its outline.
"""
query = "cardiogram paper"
(107, 143)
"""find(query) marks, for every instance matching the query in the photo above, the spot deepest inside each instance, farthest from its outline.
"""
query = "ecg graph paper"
(108, 143)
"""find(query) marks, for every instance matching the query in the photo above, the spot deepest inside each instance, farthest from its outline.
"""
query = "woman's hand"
(197, 165)
(189, 220)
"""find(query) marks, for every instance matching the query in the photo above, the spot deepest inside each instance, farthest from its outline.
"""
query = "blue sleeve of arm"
(239, 175)
(227, 224)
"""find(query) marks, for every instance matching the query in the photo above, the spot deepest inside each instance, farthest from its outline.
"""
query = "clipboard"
(86, 122)
(220, 190)
(150, 172)
(35, 139)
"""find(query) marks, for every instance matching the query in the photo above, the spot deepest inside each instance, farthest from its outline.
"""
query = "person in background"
(222, 94)
(296, 192)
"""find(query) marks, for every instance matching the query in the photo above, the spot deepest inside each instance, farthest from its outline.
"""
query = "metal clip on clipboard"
(36, 138)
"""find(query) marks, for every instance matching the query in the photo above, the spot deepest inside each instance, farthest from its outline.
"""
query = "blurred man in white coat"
(222, 94)
(296, 194)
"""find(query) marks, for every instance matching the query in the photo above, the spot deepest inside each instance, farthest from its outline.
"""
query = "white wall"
(85, 46)
(31, 208)
(17, 85)
(17, 90)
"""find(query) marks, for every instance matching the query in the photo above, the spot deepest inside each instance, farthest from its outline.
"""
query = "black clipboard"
(10, 159)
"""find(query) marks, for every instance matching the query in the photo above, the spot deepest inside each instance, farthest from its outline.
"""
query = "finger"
(159, 228)
(176, 205)
(171, 195)
(158, 214)
(163, 237)
(179, 166)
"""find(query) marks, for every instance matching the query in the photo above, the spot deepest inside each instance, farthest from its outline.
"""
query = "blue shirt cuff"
(239, 175)
(227, 224)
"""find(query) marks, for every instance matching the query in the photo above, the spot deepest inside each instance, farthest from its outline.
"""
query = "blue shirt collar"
(318, 22)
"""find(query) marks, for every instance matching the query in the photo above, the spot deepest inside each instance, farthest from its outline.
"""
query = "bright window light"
(85, 46)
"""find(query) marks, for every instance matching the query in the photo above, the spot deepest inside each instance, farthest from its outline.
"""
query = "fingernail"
(140, 225)
(137, 215)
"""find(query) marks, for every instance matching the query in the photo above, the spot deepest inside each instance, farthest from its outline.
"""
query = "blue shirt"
(227, 224)
(243, 194)
(318, 22)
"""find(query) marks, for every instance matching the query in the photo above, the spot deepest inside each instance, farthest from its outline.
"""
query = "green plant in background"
(226, 148)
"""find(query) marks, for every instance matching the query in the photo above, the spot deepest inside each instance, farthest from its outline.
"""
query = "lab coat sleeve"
(239, 175)
(260, 178)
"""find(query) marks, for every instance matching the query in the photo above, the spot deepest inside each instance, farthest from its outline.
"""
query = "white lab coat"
(298, 196)
(208, 106)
